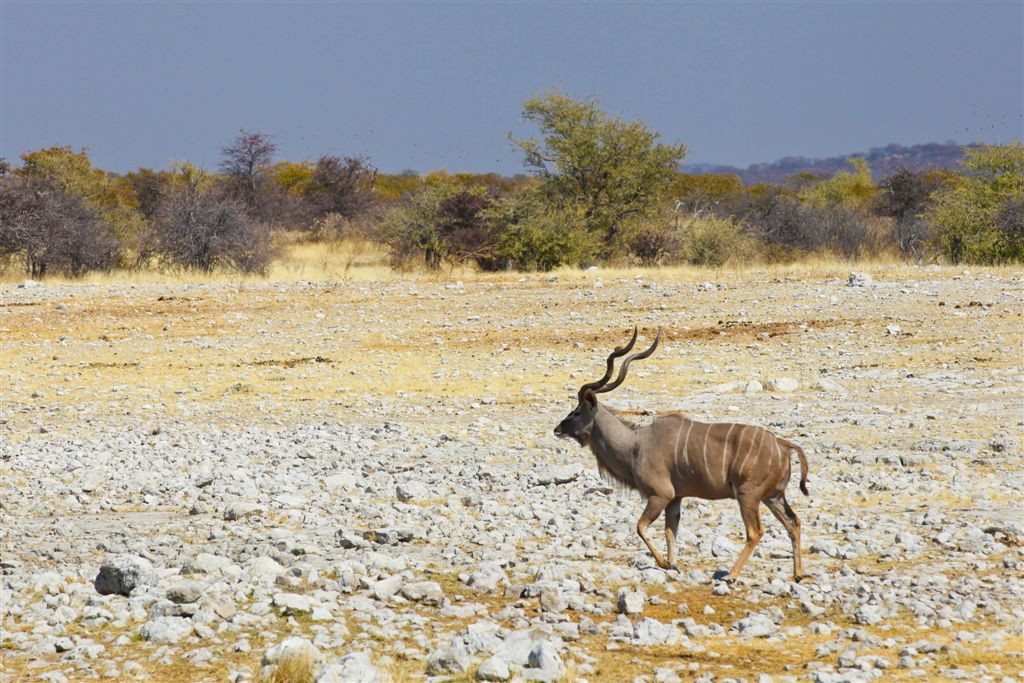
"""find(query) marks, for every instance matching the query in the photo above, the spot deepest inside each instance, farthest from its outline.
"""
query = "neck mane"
(614, 443)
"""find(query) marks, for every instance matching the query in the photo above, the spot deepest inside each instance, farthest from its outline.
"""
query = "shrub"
(715, 241)
(654, 243)
(533, 237)
(444, 222)
(198, 227)
(904, 197)
(775, 217)
(50, 230)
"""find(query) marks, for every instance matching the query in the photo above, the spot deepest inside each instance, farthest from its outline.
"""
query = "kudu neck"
(614, 443)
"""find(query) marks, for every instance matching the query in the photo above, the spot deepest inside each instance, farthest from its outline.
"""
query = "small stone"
(652, 632)
(355, 667)
(410, 491)
(293, 603)
(493, 669)
(858, 279)
(346, 538)
(756, 626)
(240, 509)
(544, 656)
(184, 592)
(166, 629)
(782, 385)
(385, 588)
(558, 474)
(450, 660)
(299, 651)
(551, 600)
(631, 602)
(723, 547)
(427, 592)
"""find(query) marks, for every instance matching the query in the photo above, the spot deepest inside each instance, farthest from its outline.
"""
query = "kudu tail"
(803, 469)
(803, 463)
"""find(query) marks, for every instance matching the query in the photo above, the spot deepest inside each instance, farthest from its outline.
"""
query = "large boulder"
(121, 574)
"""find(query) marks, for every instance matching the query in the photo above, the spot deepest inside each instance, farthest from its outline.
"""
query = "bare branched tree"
(201, 228)
(244, 162)
(52, 231)
(343, 186)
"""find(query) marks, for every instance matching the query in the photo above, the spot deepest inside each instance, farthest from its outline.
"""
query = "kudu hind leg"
(780, 508)
(655, 506)
(750, 510)
(671, 529)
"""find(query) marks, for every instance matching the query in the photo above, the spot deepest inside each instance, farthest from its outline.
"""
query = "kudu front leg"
(655, 506)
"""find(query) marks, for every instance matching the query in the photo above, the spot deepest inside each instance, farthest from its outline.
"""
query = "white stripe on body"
(686, 447)
(754, 445)
(675, 451)
(725, 451)
(707, 472)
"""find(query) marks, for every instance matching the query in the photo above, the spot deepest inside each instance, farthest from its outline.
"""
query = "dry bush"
(201, 229)
(297, 668)
(716, 241)
(51, 231)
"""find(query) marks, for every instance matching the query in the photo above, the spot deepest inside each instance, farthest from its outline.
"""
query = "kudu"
(675, 457)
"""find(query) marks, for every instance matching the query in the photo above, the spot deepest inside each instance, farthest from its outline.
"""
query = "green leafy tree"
(444, 222)
(603, 170)
(851, 190)
(975, 215)
(72, 173)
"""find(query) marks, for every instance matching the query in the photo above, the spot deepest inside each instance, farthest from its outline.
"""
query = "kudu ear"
(590, 398)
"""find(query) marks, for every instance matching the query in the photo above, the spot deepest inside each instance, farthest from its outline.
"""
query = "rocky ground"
(358, 480)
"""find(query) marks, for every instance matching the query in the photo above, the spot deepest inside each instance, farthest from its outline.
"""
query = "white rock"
(493, 669)
(240, 509)
(166, 629)
(293, 603)
(355, 667)
(652, 632)
(544, 656)
(781, 384)
(185, 592)
(410, 491)
(631, 601)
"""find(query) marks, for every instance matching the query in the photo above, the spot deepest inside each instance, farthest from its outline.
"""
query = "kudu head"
(580, 421)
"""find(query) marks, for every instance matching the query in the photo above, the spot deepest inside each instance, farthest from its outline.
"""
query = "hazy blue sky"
(428, 86)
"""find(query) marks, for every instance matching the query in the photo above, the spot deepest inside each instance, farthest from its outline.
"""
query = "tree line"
(598, 189)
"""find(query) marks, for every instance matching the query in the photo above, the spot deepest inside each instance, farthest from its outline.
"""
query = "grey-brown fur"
(675, 457)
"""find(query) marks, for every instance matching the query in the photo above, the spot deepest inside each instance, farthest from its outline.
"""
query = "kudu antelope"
(675, 457)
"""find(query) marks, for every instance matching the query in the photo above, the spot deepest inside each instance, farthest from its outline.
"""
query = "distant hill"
(882, 160)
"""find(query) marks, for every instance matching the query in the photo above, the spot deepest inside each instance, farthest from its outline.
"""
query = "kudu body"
(675, 457)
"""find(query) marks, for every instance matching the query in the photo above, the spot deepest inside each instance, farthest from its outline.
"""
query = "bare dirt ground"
(370, 466)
